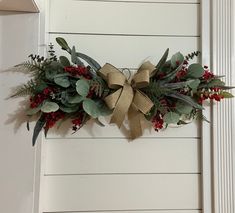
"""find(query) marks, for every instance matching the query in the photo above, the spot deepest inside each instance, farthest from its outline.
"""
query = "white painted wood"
(206, 127)
(127, 51)
(223, 113)
(109, 18)
(18, 38)
(117, 156)
(121, 192)
(92, 130)
(16, 5)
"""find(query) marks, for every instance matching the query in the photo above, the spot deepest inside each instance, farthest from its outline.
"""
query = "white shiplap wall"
(97, 170)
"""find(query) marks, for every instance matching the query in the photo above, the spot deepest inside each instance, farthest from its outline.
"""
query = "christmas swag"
(170, 92)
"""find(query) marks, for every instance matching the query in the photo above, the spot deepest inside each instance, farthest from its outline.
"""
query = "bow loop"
(128, 99)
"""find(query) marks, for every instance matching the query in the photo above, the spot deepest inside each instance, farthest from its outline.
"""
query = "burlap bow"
(128, 98)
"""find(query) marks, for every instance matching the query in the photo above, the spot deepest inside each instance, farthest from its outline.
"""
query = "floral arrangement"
(173, 91)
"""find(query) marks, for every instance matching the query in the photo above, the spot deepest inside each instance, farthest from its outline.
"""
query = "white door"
(97, 170)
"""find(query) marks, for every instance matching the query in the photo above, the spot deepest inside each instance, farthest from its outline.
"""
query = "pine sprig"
(24, 90)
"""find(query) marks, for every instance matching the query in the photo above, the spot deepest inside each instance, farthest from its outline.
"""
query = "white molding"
(206, 127)
(223, 113)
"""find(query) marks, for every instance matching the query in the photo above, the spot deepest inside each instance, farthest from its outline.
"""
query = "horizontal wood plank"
(93, 130)
(109, 18)
(125, 192)
(126, 51)
(117, 156)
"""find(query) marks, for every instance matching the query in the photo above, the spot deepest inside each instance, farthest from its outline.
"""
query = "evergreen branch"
(24, 90)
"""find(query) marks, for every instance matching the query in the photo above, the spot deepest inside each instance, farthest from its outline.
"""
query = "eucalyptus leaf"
(183, 108)
(176, 60)
(37, 129)
(195, 71)
(75, 99)
(91, 108)
(69, 109)
(94, 64)
(61, 41)
(48, 107)
(50, 73)
(171, 117)
(64, 61)
(194, 84)
(62, 81)
(74, 57)
(215, 83)
(82, 87)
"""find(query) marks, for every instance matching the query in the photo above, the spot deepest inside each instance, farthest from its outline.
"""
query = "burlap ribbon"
(127, 97)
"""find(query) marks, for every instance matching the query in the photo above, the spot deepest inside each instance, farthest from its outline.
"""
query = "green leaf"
(194, 84)
(38, 127)
(33, 111)
(91, 108)
(227, 94)
(95, 108)
(64, 61)
(186, 99)
(215, 83)
(171, 117)
(183, 108)
(75, 99)
(74, 57)
(178, 85)
(176, 60)
(82, 87)
(62, 43)
(195, 71)
(161, 62)
(40, 87)
(94, 64)
(62, 80)
(48, 107)
(69, 109)
(50, 73)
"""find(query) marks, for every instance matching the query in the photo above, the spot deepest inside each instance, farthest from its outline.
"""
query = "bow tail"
(135, 117)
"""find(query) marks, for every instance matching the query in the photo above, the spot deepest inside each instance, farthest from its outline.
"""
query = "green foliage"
(62, 80)
(64, 61)
(75, 99)
(183, 108)
(195, 71)
(64, 45)
(37, 129)
(176, 60)
(24, 90)
(82, 87)
(226, 94)
(49, 106)
(171, 118)
(160, 63)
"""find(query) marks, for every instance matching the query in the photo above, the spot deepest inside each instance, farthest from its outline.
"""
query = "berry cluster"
(78, 71)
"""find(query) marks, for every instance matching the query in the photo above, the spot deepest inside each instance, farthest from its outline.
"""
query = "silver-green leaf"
(48, 107)
(171, 117)
(82, 87)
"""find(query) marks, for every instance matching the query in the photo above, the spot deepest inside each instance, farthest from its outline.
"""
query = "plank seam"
(141, 2)
(122, 34)
(109, 174)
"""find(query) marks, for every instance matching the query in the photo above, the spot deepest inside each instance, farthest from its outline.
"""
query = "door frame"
(218, 150)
